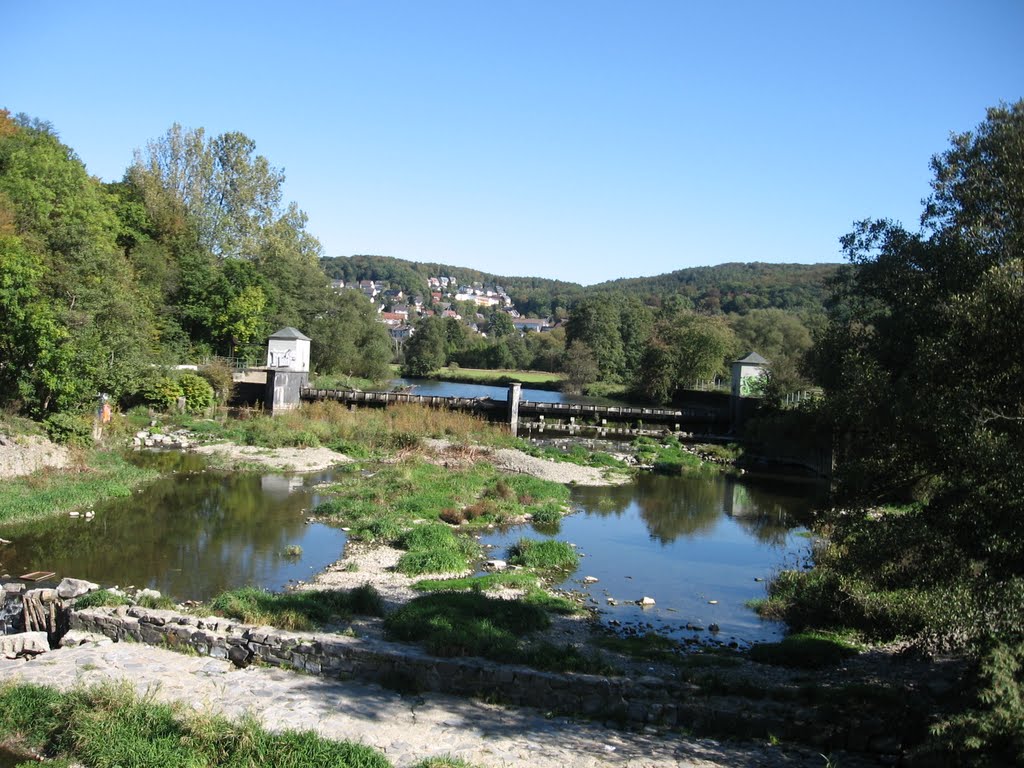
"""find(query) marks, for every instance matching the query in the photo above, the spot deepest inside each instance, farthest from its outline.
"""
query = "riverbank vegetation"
(921, 367)
(96, 476)
(110, 725)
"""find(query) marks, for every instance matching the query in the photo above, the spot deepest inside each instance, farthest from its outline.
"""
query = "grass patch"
(514, 579)
(650, 647)
(101, 598)
(805, 650)
(382, 501)
(110, 726)
(305, 610)
(434, 548)
(670, 457)
(103, 475)
(575, 454)
(545, 555)
(472, 624)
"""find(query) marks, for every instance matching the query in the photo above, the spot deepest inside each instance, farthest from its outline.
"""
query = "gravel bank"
(278, 459)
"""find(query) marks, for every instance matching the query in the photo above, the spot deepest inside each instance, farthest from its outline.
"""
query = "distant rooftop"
(290, 333)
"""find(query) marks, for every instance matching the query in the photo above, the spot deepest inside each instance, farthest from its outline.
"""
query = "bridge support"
(513, 407)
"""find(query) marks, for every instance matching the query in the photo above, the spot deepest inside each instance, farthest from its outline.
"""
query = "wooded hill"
(726, 288)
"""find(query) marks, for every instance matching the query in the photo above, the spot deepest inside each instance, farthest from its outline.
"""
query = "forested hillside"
(726, 288)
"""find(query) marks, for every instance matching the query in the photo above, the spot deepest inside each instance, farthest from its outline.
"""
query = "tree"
(580, 367)
(595, 321)
(682, 348)
(499, 325)
(227, 192)
(347, 338)
(425, 351)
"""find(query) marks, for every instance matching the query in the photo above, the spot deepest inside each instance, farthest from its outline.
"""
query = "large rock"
(12, 646)
(76, 637)
(70, 588)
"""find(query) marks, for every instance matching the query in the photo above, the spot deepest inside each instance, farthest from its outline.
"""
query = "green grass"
(544, 555)
(381, 501)
(514, 579)
(669, 457)
(110, 725)
(805, 650)
(306, 610)
(101, 598)
(472, 624)
(105, 475)
(575, 454)
(435, 548)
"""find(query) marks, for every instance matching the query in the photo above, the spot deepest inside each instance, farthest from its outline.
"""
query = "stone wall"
(635, 703)
(644, 701)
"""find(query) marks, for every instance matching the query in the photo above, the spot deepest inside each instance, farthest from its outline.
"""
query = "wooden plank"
(38, 576)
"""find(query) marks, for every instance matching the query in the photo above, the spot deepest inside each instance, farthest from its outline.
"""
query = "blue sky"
(576, 139)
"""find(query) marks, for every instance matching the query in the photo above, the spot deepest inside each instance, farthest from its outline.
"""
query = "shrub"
(221, 379)
(161, 392)
(197, 391)
(548, 515)
(70, 429)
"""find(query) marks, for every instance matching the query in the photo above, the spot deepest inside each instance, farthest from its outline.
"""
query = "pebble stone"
(407, 728)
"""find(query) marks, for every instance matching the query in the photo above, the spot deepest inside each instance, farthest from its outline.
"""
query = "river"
(684, 541)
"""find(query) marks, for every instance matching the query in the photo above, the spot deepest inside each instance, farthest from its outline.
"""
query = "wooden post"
(513, 407)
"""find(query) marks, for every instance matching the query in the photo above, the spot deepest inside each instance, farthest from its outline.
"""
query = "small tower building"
(287, 369)
(288, 350)
(746, 372)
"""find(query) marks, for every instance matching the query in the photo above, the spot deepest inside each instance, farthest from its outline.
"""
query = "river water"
(684, 541)
(458, 389)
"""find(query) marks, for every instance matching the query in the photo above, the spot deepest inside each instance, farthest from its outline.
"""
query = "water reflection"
(694, 503)
(190, 535)
(686, 541)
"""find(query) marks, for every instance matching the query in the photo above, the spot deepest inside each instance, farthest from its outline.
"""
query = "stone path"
(406, 728)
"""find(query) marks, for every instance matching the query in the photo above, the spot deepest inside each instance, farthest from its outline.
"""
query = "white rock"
(23, 642)
(69, 588)
(77, 637)
(496, 565)
(645, 600)
(147, 593)
(590, 579)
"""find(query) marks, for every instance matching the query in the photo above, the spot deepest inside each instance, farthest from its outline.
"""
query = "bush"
(221, 379)
(161, 392)
(70, 429)
(992, 731)
(197, 391)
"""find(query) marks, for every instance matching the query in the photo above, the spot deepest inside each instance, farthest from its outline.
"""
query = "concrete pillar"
(513, 407)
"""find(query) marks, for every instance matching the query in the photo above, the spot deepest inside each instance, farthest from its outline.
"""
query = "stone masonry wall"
(642, 701)
(631, 702)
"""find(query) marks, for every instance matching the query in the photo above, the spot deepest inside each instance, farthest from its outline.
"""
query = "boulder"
(23, 643)
(70, 588)
(496, 565)
(77, 637)
(645, 600)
